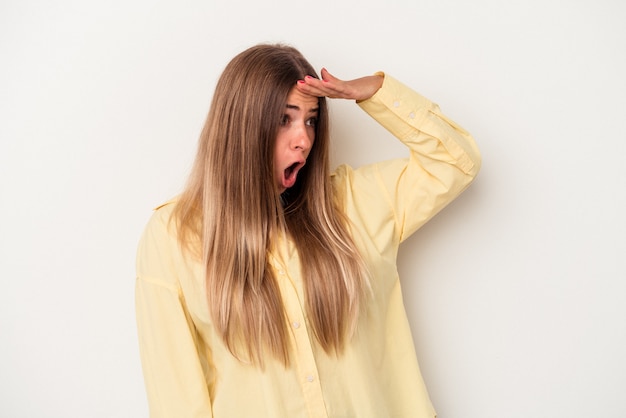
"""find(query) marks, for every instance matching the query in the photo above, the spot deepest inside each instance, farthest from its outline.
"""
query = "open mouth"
(291, 174)
(291, 169)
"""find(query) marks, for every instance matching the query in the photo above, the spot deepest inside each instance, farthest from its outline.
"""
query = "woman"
(269, 288)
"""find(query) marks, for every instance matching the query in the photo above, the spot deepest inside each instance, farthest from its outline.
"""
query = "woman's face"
(296, 135)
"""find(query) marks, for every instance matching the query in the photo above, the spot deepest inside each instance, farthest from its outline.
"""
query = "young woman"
(269, 287)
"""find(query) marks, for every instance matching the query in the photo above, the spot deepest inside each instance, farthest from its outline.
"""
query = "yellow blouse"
(190, 373)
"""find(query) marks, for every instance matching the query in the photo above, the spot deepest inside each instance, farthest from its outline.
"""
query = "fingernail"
(300, 81)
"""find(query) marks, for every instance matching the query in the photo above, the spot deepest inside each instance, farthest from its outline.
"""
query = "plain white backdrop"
(516, 292)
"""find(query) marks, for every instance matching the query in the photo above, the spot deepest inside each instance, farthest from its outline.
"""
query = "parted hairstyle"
(233, 207)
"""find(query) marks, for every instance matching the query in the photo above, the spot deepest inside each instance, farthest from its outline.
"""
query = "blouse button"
(296, 324)
(309, 378)
(396, 103)
(412, 115)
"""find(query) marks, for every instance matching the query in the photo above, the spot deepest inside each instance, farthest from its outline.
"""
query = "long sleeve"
(174, 378)
(443, 161)
(386, 202)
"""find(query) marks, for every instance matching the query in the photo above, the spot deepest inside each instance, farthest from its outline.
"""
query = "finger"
(313, 86)
(307, 86)
(336, 87)
(330, 85)
(328, 77)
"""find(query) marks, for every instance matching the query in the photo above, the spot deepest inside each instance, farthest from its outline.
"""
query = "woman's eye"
(284, 120)
(312, 122)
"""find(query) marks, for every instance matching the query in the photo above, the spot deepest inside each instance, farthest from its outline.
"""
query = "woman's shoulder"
(168, 205)
(160, 228)
(365, 178)
(359, 186)
(158, 249)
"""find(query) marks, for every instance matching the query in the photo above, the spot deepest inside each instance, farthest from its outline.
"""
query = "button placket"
(303, 359)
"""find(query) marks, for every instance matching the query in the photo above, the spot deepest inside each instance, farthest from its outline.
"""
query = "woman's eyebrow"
(294, 107)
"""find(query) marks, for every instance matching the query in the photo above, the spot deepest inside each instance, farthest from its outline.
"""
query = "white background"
(516, 292)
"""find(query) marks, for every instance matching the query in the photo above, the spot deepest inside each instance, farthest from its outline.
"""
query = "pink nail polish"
(300, 81)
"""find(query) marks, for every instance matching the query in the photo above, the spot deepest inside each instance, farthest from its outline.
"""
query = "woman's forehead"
(302, 101)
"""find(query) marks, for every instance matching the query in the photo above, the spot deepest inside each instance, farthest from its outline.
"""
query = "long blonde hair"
(232, 205)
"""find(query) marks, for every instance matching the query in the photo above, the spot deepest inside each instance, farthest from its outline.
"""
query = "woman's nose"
(301, 139)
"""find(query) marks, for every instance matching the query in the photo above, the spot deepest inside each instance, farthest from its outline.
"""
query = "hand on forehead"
(330, 86)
